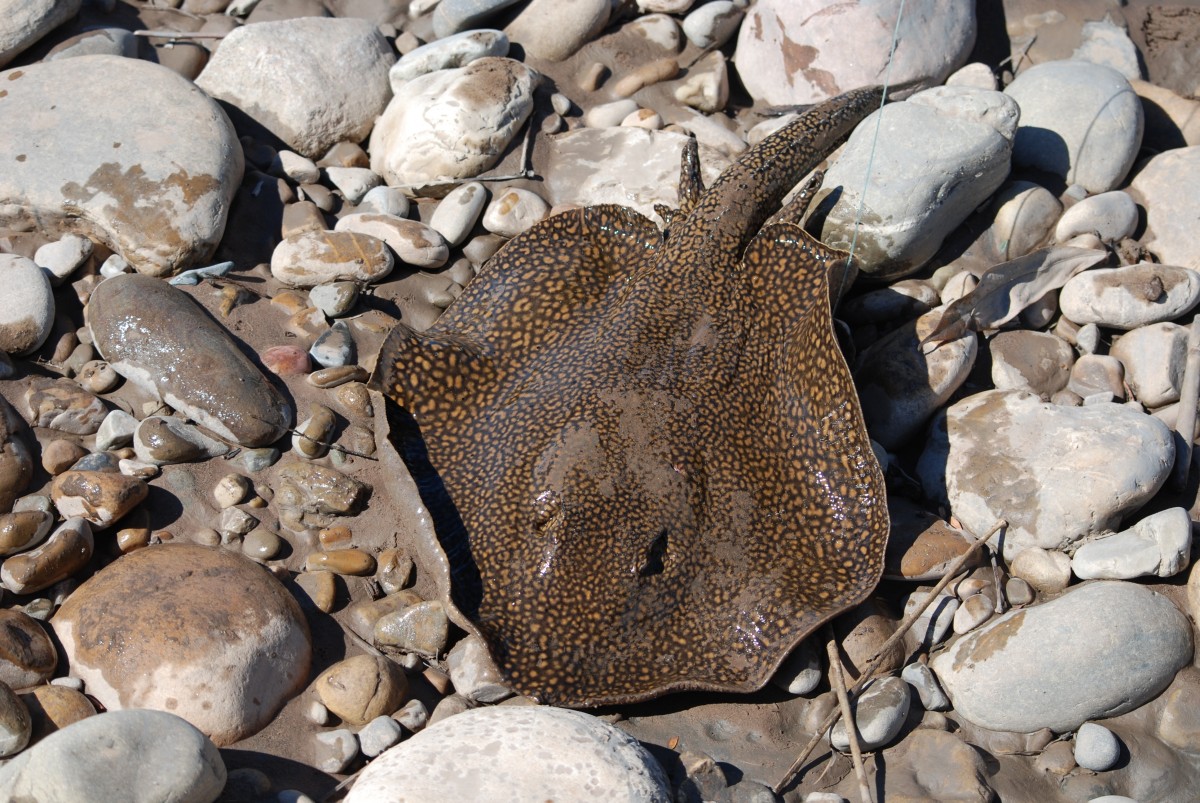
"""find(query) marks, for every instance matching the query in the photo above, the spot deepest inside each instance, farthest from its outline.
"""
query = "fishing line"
(862, 198)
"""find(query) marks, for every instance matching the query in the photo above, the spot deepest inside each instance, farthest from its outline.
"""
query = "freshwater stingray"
(644, 454)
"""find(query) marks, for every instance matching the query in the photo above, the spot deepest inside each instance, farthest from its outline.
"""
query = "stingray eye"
(546, 506)
(655, 552)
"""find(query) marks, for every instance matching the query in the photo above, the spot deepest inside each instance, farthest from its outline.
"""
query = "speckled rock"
(164, 343)
(27, 656)
(451, 124)
(791, 52)
(458, 50)
(1126, 639)
(107, 756)
(27, 308)
(987, 456)
(160, 202)
(1080, 121)
(901, 387)
(24, 22)
(946, 152)
(526, 752)
(278, 74)
(1163, 187)
(1129, 297)
(245, 646)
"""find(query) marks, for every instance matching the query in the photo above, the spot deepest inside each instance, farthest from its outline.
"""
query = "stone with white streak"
(988, 457)
(413, 242)
(458, 50)
(1157, 546)
(279, 74)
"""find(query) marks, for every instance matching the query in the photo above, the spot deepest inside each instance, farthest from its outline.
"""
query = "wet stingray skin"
(646, 456)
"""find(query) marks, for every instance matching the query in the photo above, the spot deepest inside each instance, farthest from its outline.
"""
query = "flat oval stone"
(309, 258)
(458, 212)
(163, 342)
(23, 529)
(1023, 671)
(531, 752)
(53, 708)
(989, 458)
(947, 152)
(413, 241)
(1131, 296)
(199, 631)
(143, 750)
(1158, 545)
(879, 714)
(161, 202)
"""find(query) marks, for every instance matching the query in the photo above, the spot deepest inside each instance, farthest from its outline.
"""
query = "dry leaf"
(1010, 287)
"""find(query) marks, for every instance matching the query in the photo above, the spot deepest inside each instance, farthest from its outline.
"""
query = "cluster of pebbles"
(207, 231)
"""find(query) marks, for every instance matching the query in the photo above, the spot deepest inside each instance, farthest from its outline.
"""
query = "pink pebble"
(286, 360)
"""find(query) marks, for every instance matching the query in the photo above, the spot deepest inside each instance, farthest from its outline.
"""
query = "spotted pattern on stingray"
(646, 457)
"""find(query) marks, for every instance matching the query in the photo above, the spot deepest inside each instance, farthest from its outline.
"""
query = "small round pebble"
(231, 490)
(361, 688)
(513, 211)
(262, 544)
(1096, 747)
(335, 750)
(97, 376)
(378, 735)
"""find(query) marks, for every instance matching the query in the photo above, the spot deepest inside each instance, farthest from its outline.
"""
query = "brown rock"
(20, 531)
(15, 723)
(198, 631)
(341, 561)
(861, 632)
(16, 467)
(66, 551)
(60, 454)
(27, 656)
(101, 497)
(320, 588)
(62, 405)
(921, 546)
(422, 629)
(55, 707)
(311, 495)
(361, 688)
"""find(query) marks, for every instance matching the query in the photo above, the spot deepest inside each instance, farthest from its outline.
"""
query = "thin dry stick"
(838, 681)
(1185, 422)
(877, 659)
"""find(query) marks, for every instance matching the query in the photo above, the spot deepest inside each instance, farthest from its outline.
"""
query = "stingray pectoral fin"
(431, 372)
(842, 513)
(544, 282)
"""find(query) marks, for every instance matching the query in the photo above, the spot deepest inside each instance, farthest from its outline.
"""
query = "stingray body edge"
(657, 473)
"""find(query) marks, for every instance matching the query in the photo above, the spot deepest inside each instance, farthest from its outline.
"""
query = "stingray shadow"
(466, 584)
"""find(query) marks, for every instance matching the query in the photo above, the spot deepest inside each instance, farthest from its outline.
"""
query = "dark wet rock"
(162, 341)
